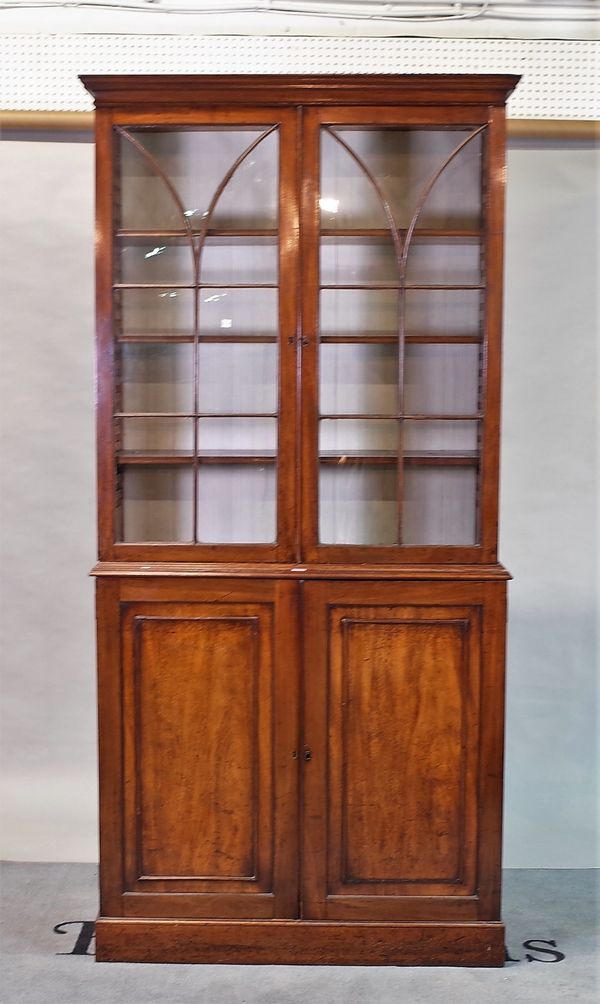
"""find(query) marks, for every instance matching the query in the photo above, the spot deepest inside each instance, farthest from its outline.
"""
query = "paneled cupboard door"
(199, 349)
(401, 697)
(204, 757)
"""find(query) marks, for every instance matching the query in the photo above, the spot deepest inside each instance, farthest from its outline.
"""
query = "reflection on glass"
(157, 435)
(361, 312)
(236, 504)
(357, 436)
(238, 312)
(196, 161)
(156, 261)
(348, 199)
(237, 378)
(157, 504)
(448, 313)
(356, 260)
(358, 379)
(401, 161)
(357, 504)
(441, 379)
(239, 260)
(445, 262)
(448, 436)
(352, 260)
(229, 435)
(153, 312)
(157, 377)
(439, 505)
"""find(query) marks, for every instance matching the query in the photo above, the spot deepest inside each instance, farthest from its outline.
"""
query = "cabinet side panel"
(110, 748)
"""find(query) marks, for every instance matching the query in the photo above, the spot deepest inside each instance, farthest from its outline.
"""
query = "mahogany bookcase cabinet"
(301, 614)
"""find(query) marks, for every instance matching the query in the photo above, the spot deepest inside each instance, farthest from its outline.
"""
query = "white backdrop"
(48, 790)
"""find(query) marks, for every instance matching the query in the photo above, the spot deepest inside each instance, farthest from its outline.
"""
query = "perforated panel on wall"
(561, 79)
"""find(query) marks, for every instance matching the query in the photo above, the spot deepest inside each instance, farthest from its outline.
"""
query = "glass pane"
(358, 379)
(444, 261)
(156, 312)
(348, 199)
(357, 504)
(237, 377)
(236, 504)
(157, 435)
(402, 162)
(157, 377)
(156, 261)
(229, 435)
(353, 312)
(348, 260)
(444, 313)
(440, 437)
(439, 505)
(441, 379)
(196, 162)
(358, 436)
(238, 312)
(157, 504)
(237, 259)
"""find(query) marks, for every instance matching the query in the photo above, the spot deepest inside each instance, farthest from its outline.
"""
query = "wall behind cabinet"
(549, 490)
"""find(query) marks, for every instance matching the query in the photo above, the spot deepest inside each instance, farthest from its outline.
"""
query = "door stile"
(289, 282)
(310, 229)
(287, 735)
(494, 174)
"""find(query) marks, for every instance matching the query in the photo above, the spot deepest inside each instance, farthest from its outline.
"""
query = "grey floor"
(543, 907)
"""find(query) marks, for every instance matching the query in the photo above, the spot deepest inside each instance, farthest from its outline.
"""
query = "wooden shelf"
(377, 338)
(371, 417)
(383, 233)
(261, 234)
(183, 236)
(385, 339)
(161, 458)
(385, 458)
(194, 285)
(389, 458)
(407, 286)
(185, 338)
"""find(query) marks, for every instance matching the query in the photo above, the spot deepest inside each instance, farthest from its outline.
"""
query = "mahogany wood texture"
(397, 751)
(397, 705)
(300, 745)
(299, 107)
(162, 92)
(199, 721)
(296, 943)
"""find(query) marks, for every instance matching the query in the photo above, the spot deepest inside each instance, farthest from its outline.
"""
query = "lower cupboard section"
(300, 771)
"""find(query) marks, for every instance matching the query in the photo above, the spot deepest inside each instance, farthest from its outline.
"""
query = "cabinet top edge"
(184, 89)
(272, 570)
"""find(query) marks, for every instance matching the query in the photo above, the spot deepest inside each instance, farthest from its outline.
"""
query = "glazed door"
(197, 336)
(400, 325)
(398, 701)
(209, 713)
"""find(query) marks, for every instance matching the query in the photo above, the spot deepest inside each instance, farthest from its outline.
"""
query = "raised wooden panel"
(399, 689)
(208, 771)
(197, 712)
(392, 721)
